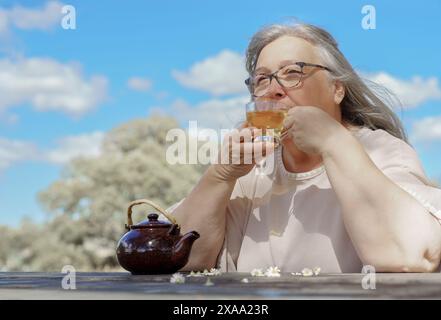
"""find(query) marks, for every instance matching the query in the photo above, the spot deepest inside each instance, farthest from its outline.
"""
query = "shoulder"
(378, 139)
(387, 150)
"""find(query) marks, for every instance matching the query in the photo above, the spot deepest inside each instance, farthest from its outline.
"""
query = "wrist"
(334, 143)
(220, 173)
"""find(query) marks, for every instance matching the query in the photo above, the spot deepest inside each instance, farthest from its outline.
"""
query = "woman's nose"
(275, 90)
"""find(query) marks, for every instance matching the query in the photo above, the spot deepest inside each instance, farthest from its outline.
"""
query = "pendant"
(275, 233)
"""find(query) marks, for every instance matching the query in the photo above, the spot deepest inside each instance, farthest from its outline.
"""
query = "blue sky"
(152, 42)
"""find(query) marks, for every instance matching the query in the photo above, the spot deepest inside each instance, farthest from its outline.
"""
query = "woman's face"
(316, 89)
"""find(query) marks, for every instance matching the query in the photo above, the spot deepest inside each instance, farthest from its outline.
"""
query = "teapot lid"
(152, 222)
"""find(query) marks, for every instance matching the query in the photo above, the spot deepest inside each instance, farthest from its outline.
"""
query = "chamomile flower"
(317, 271)
(195, 274)
(213, 272)
(177, 278)
(257, 273)
(306, 272)
(209, 282)
(272, 272)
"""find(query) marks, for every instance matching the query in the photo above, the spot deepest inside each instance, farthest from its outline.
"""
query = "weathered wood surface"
(226, 286)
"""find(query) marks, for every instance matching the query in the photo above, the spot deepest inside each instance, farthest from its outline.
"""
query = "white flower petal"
(272, 272)
(317, 271)
(209, 282)
(306, 272)
(257, 273)
(177, 278)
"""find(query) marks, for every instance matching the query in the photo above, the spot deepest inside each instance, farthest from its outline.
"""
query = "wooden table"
(225, 286)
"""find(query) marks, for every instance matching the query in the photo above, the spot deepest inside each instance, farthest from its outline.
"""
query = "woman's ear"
(339, 92)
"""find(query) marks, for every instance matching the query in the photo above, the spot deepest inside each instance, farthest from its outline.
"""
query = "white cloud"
(222, 74)
(49, 85)
(31, 18)
(427, 130)
(215, 113)
(139, 84)
(411, 93)
(13, 151)
(68, 148)
(83, 145)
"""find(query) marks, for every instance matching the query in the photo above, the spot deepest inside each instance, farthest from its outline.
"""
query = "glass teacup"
(268, 116)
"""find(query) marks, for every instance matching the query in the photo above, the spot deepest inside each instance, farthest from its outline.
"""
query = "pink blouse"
(294, 221)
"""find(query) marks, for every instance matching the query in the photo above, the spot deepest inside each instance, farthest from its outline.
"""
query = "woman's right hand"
(240, 153)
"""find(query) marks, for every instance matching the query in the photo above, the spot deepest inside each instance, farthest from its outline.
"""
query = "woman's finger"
(250, 152)
(246, 135)
(288, 122)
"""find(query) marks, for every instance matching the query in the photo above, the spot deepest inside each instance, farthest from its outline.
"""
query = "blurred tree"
(89, 202)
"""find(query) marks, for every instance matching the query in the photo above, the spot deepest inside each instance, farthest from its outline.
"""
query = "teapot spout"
(181, 249)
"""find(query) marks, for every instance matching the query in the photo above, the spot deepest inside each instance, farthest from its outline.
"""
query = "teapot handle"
(142, 201)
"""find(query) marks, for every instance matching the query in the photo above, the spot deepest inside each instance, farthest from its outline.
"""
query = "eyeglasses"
(288, 76)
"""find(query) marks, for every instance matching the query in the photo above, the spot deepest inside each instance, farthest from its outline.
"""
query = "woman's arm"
(388, 227)
(204, 209)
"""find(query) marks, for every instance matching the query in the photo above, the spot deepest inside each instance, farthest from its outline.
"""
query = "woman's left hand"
(310, 128)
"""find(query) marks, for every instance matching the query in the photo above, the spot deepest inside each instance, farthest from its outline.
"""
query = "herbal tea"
(269, 119)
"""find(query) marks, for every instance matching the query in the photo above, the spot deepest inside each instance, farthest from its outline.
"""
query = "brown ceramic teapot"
(153, 246)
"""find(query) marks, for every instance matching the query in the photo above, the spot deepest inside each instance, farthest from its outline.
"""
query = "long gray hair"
(365, 103)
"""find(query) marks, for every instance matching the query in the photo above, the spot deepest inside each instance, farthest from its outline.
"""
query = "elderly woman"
(347, 189)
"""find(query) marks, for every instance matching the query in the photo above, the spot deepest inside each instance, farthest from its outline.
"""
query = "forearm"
(204, 211)
(387, 226)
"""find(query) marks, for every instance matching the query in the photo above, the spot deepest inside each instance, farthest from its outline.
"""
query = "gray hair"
(365, 104)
